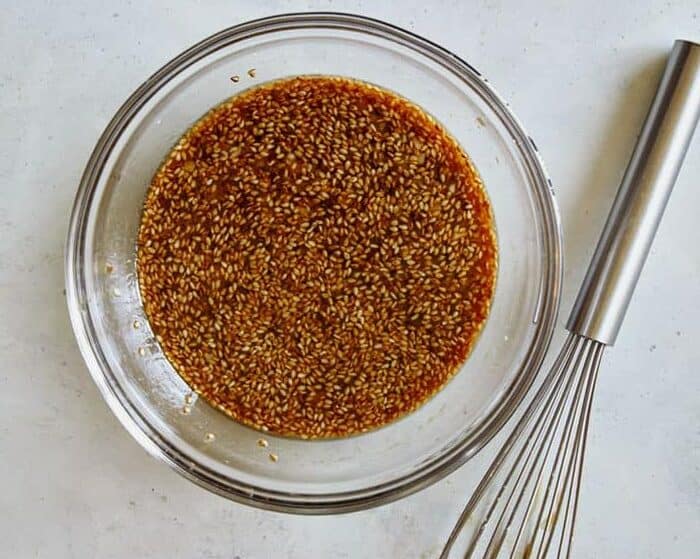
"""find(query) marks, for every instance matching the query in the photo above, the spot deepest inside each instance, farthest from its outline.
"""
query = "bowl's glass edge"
(136, 424)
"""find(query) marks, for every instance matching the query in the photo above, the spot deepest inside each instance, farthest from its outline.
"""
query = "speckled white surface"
(72, 482)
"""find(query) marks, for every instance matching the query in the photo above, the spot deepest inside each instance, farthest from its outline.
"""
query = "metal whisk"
(525, 505)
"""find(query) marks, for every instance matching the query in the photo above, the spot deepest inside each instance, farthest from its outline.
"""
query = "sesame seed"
(263, 443)
(273, 457)
(209, 438)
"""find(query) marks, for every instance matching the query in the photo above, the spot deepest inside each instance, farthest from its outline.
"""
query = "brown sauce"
(316, 257)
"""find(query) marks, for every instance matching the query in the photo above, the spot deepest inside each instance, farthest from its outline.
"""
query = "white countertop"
(72, 481)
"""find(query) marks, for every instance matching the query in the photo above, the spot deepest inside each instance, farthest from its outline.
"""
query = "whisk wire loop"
(536, 475)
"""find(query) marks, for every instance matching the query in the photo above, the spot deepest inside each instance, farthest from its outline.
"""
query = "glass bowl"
(145, 392)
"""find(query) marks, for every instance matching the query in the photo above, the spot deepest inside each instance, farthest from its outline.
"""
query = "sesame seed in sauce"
(316, 257)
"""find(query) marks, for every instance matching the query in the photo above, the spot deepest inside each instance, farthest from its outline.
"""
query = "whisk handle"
(641, 199)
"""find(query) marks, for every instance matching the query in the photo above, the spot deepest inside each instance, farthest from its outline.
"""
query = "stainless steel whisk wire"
(543, 421)
(530, 492)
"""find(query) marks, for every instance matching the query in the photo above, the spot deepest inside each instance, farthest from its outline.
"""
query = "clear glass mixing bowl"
(141, 386)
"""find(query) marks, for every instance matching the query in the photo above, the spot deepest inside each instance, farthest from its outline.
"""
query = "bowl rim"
(312, 503)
